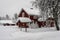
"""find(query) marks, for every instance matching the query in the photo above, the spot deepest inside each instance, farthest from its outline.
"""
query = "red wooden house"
(49, 22)
(33, 15)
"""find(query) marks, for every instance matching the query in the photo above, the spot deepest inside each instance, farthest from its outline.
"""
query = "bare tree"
(7, 17)
(0, 18)
(52, 5)
(15, 15)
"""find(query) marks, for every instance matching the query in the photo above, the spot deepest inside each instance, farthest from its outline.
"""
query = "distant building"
(7, 22)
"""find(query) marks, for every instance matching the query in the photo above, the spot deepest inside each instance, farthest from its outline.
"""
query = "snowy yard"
(14, 33)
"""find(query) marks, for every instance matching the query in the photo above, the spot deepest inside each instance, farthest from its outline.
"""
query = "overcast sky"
(13, 6)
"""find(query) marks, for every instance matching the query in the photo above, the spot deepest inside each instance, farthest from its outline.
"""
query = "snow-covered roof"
(50, 16)
(7, 21)
(41, 19)
(32, 11)
(24, 19)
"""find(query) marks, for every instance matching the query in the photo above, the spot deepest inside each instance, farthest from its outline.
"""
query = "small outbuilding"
(41, 22)
(50, 22)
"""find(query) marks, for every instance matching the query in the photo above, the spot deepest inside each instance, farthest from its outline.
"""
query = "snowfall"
(14, 33)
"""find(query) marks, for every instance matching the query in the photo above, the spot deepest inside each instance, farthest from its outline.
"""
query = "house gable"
(23, 13)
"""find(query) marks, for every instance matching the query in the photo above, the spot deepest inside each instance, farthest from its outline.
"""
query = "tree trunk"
(55, 15)
(56, 23)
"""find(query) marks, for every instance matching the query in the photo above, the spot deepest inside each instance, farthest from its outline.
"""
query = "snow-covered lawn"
(37, 36)
(5, 32)
(14, 33)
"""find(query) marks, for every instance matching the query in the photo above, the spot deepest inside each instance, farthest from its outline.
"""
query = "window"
(23, 14)
(35, 17)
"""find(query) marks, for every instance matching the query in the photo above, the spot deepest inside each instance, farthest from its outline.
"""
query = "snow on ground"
(14, 33)
(38, 36)
(5, 32)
